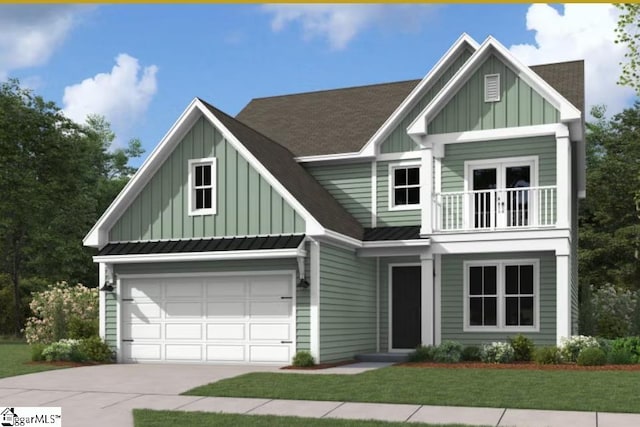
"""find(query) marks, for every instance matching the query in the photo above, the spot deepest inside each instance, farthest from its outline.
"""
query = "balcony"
(501, 209)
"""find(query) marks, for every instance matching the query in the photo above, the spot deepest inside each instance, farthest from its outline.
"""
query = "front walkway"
(105, 396)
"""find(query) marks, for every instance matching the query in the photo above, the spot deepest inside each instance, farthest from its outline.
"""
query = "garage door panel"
(183, 289)
(225, 353)
(274, 286)
(226, 331)
(183, 331)
(226, 309)
(270, 309)
(143, 352)
(142, 312)
(178, 352)
(273, 331)
(183, 310)
(226, 287)
(269, 353)
(142, 331)
(226, 319)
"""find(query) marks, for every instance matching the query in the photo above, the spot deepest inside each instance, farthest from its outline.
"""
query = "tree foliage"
(627, 33)
(56, 178)
(609, 226)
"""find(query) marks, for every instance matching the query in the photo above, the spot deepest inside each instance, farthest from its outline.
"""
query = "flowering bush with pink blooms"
(62, 311)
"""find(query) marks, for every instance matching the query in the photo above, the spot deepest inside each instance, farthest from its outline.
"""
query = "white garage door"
(217, 319)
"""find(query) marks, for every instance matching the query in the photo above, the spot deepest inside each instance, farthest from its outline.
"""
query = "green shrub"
(448, 352)
(547, 356)
(422, 354)
(95, 349)
(36, 352)
(497, 352)
(471, 353)
(522, 348)
(630, 345)
(592, 356)
(63, 350)
(78, 328)
(619, 357)
(570, 348)
(303, 359)
(54, 310)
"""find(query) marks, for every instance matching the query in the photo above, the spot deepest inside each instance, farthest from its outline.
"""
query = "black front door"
(406, 307)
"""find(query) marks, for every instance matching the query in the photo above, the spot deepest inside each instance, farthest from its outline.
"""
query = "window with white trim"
(492, 88)
(405, 186)
(202, 186)
(501, 295)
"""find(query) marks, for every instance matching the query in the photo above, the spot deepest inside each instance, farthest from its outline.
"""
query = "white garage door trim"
(120, 288)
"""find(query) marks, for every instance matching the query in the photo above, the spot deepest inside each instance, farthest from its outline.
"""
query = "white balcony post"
(563, 297)
(426, 190)
(563, 179)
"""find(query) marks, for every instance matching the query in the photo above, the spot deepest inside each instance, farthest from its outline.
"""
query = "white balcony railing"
(507, 208)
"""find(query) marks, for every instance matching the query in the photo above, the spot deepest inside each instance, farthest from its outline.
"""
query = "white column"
(563, 297)
(102, 309)
(314, 300)
(426, 190)
(563, 179)
(427, 297)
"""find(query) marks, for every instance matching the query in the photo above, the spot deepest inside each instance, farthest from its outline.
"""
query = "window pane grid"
(202, 186)
(406, 186)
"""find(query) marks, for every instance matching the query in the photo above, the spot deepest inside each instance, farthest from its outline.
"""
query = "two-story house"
(361, 220)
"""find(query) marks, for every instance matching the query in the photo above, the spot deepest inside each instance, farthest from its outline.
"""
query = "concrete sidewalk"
(105, 395)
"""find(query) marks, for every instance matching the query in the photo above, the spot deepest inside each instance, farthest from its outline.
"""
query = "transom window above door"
(202, 186)
(405, 187)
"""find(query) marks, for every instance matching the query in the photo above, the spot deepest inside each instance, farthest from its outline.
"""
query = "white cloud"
(29, 34)
(122, 95)
(583, 31)
(340, 23)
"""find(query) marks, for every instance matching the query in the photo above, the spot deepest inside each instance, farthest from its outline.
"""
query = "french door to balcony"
(500, 195)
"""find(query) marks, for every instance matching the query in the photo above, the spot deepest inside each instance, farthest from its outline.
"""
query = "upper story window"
(202, 186)
(501, 295)
(404, 186)
(492, 88)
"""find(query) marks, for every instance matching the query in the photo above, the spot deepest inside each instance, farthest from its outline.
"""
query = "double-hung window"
(501, 295)
(404, 186)
(202, 186)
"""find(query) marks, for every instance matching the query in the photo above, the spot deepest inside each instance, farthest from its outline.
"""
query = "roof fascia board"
(333, 158)
(97, 236)
(568, 112)
(311, 224)
(409, 102)
(202, 256)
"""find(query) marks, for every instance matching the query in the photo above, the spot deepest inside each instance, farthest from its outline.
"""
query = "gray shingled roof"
(302, 186)
(343, 120)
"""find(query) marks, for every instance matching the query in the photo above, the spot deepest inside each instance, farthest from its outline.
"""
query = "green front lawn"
(607, 391)
(149, 418)
(15, 358)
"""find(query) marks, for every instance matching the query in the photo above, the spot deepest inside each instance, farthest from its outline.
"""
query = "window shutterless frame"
(202, 186)
(501, 293)
(410, 184)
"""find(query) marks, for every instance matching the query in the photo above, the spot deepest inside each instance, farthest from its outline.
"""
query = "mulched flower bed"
(521, 365)
(65, 364)
(319, 366)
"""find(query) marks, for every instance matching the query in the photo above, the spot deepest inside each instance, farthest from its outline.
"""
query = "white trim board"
(202, 256)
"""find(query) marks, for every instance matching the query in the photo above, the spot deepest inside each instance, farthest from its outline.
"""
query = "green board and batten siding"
(452, 294)
(347, 304)
(385, 216)
(398, 141)
(302, 296)
(246, 203)
(349, 184)
(519, 104)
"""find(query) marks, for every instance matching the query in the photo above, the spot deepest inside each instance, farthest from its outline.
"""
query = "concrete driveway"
(104, 395)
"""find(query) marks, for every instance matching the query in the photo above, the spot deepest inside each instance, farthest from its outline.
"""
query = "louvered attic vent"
(492, 88)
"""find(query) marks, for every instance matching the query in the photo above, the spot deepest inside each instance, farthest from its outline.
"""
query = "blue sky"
(141, 65)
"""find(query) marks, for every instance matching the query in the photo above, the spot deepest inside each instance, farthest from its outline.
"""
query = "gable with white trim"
(246, 203)
(517, 104)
